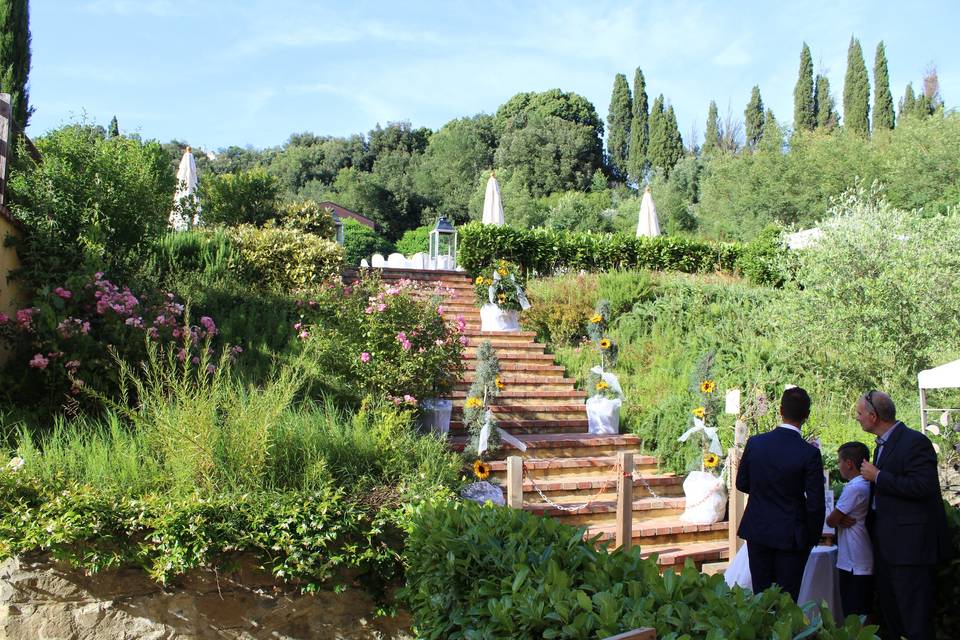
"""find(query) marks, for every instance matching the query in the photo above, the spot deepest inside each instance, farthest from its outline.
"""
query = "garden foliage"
(275, 257)
(246, 197)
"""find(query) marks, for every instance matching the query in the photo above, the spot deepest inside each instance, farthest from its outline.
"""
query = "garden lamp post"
(338, 227)
(443, 245)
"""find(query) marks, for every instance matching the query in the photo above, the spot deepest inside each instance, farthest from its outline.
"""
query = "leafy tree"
(248, 197)
(930, 101)
(114, 129)
(675, 140)
(296, 165)
(394, 171)
(639, 128)
(804, 111)
(577, 211)
(618, 127)
(415, 240)
(456, 157)
(883, 117)
(711, 139)
(856, 92)
(360, 242)
(753, 118)
(657, 152)
(908, 103)
(567, 106)
(772, 137)
(15, 57)
(824, 106)
(398, 136)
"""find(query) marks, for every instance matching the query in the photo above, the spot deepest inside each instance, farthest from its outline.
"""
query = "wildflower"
(711, 460)
(63, 293)
(596, 318)
(39, 362)
(365, 356)
(72, 365)
(368, 310)
(406, 345)
(481, 470)
(440, 342)
(209, 325)
(211, 369)
(474, 403)
(16, 463)
(440, 310)
(25, 317)
(708, 386)
(182, 355)
(501, 298)
(195, 360)
(606, 344)
(502, 271)
(381, 307)
(700, 412)
(297, 326)
(235, 350)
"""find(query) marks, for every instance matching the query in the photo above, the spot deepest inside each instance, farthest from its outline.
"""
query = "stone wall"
(40, 599)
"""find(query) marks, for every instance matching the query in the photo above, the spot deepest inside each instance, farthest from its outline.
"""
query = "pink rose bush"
(390, 340)
(62, 342)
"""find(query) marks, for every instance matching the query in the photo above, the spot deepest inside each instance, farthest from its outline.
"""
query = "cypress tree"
(772, 139)
(882, 98)
(657, 149)
(804, 118)
(639, 129)
(824, 106)
(908, 103)
(753, 118)
(711, 139)
(856, 91)
(618, 126)
(114, 130)
(674, 140)
(15, 57)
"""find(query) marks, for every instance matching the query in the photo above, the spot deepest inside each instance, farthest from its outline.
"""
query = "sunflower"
(711, 460)
(488, 281)
(606, 343)
(479, 280)
(481, 469)
(500, 384)
(596, 318)
(503, 272)
(708, 386)
(602, 385)
(501, 298)
(474, 403)
(700, 412)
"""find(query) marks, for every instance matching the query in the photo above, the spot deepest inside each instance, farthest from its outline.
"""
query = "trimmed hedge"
(491, 572)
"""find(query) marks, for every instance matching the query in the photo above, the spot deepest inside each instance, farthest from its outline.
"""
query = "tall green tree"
(618, 127)
(883, 117)
(856, 91)
(15, 57)
(639, 128)
(711, 139)
(908, 103)
(824, 106)
(657, 151)
(114, 130)
(674, 140)
(804, 116)
(753, 118)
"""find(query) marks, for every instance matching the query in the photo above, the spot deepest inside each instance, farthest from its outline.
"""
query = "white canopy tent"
(492, 203)
(648, 225)
(946, 376)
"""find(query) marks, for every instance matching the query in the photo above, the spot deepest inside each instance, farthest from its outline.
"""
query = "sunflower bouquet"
(503, 287)
(597, 326)
(703, 417)
(487, 385)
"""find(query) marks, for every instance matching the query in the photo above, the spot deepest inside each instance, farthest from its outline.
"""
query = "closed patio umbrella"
(492, 204)
(648, 225)
(185, 199)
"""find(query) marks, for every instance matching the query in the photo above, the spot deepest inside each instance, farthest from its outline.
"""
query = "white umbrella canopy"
(492, 204)
(185, 198)
(648, 225)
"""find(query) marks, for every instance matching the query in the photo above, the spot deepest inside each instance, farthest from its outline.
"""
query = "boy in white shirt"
(855, 550)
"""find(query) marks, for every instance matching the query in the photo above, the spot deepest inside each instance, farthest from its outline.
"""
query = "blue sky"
(217, 73)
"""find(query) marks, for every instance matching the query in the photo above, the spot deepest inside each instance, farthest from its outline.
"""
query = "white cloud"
(733, 55)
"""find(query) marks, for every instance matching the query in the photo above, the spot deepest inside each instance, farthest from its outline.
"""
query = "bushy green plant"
(504, 288)
(415, 241)
(492, 572)
(765, 260)
(93, 203)
(283, 259)
(247, 197)
(307, 216)
(360, 242)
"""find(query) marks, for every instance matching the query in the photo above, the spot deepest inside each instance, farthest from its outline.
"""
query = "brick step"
(504, 337)
(588, 468)
(519, 370)
(665, 534)
(577, 490)
(515, 411)
(674, 556)
(648, 511)
(525, 383)
(530, 426)
(525, 397)
(422, 274)
(542, 446)
(505, 347)
(508, 357)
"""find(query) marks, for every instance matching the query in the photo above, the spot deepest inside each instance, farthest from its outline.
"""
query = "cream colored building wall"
(11, 295)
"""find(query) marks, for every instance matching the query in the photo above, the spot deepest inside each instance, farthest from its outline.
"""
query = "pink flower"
(440, 342)
(368, 310)
(381, 307)
(134, 322)
(365, 357)
(402, 336)
(195, 360)
(464, 340)
(4, 318)
(297, 326)
(77, 385)
(182, 355)
(440, 310)
(209, 325)
(236, 349)
(153, 333)
(25, 317)
(63, 293)
(39, 362)
(409, 399)
(303, 335)
(211, 368)
(461, 324)
(72, 365)
(406, 345)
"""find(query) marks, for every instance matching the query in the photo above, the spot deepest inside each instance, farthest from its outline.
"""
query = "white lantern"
(443, 245)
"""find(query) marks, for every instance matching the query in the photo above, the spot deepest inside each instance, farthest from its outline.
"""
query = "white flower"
(16, 463)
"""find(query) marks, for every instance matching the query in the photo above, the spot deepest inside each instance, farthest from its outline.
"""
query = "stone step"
(588, 469)
(597, 509)
(515, 411)
(530, 426)
(524, 397)
(524, 383)
(666, 534)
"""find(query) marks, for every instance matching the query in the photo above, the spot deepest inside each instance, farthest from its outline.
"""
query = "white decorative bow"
(482, 441)
(710, 432)
(521, 296)
(610, 379)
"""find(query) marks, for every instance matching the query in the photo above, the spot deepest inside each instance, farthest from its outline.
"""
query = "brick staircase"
(563, 464)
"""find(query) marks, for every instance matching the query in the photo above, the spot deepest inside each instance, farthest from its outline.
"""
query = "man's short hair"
(882, 405)
(795, 404)
(855, 452)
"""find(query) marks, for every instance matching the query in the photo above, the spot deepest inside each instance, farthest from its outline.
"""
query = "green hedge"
(490, 572)
(547, 251)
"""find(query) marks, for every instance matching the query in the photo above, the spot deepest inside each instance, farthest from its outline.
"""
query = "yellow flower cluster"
(481, 281)
(596, 318)
(474, 403)
(501, 298)
(502, 271)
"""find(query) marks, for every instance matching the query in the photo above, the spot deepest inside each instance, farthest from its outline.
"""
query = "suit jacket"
(909, 525)
(783, 474)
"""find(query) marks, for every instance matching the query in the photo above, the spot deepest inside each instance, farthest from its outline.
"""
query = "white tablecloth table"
(820, 579)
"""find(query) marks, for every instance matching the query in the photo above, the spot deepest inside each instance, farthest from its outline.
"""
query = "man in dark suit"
(783, 520)
(906, 520)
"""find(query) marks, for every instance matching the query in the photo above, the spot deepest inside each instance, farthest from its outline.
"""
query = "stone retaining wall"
(43, 599)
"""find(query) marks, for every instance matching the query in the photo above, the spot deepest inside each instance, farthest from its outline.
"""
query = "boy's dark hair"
(856, 452)
(795, 404)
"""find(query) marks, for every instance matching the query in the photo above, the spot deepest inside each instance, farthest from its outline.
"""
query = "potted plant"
(603, 406)
(500, 298)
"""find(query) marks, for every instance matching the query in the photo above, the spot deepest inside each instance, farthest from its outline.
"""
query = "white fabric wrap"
(603, 415)
(710, 432)
(521, 296)
(493, 318)
(706, 498)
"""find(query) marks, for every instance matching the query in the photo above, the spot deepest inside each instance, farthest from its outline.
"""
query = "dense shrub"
(284, 258)
(544, 252)
(247, 197)
(491, 572)
(307, 216)
(415, 241)
(360, 242)
(93, 202)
